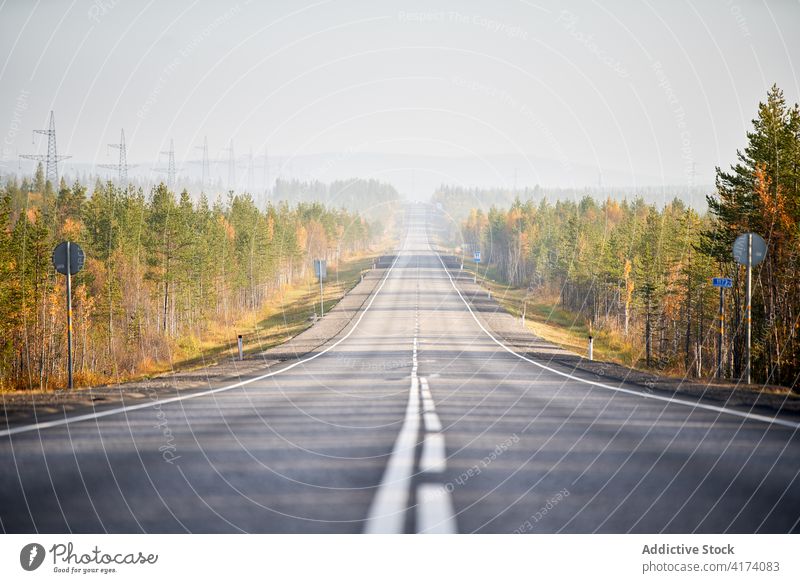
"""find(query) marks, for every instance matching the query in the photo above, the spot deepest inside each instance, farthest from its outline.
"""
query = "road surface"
(416, 420)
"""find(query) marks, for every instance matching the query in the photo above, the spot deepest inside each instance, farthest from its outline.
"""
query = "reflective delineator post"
(591, 348)
(239, 342)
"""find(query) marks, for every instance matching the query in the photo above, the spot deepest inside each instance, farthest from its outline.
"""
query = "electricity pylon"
(231, 167)
(51, 159)
(122, 166)
(170, 169)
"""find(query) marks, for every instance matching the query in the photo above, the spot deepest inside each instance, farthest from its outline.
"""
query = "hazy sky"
(643, 91)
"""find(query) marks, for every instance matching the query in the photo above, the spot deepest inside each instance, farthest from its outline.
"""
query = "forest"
(643, 270)
(160, 267)
(371, 198)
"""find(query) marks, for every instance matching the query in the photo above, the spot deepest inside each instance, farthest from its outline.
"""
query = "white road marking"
(432, 422)
(117, 410)
(388, 508)
(425, 389)
(427, 405)
(435, 510)
(433, 459)
(434, 506)
(775, 420)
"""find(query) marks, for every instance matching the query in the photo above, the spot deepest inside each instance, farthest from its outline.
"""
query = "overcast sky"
(645, 92)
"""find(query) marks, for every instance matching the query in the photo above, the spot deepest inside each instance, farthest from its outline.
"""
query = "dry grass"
(562, 327)
(285, 315)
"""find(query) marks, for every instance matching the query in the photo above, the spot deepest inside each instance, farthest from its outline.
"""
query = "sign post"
(721, 283)
(749, 249)
(749, 314)
(321, 271)
(68, 258)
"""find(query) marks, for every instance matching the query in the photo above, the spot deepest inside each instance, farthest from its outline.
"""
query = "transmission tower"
(206, 170)
(122, 166)
(267, 185)
(231, 167)
(251, 171)
(204, 162)
(51, 159)
(170, 169)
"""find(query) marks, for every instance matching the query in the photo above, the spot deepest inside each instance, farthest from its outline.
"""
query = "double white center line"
(434, 507)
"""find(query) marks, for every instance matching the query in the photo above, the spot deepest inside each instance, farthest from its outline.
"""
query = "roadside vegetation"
(168, 280)
(639, 274)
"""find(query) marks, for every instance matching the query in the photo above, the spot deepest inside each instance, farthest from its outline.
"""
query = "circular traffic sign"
(76, 258)
(759, 250)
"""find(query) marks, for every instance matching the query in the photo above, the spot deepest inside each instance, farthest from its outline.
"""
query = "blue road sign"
(722, 282)
(321, 269)
(477, 256)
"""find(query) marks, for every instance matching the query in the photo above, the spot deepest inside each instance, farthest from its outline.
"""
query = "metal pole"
(721, 334)
(69, 319)
(748, 315)
(321, 294)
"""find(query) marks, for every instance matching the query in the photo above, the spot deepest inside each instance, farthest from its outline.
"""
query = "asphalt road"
(416, 421)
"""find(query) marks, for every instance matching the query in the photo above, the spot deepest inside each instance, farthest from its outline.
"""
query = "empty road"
(416, 420)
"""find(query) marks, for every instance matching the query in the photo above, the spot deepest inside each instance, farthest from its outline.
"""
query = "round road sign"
(76, 255)
(740, 249)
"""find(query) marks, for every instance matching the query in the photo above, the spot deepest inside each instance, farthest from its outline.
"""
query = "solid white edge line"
(435, 510)
(743, 414)
(117, 410)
